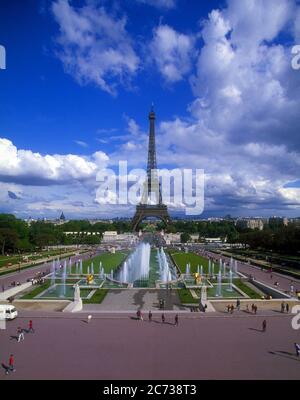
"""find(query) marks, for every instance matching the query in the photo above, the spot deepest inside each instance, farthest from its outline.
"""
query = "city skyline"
(225, 95)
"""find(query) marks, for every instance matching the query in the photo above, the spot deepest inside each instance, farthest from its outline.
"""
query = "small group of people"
(140, 317)
(285, 307)
(230, 308)
(20, 331)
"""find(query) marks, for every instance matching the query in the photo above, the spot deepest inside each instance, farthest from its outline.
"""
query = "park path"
(263, 276)
(28, 273)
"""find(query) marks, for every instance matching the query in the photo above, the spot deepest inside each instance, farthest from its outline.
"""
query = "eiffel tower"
(151, 186)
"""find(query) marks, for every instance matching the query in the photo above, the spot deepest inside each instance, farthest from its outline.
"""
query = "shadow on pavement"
(285, 354)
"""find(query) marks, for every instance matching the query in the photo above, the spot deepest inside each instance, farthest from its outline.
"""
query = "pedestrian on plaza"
(20, 334)
(282, 307)
(11, 365)
(89, 318)
(297, 347)
(287, 307)
(31, 330)
(252, 308)
(228, 308)
(255, 309)
(176, 320)
(163, 319)
(150, 316)
(238, 304)
(264, 325)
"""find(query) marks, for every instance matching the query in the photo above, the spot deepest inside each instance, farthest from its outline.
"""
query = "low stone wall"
(268, 305)
(41, 305)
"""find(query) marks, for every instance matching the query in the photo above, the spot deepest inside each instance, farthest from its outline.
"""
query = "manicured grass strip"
(186, 297)
(37, 290)
(182, 259)
(109, 261)
(246, 289)
(97, 297)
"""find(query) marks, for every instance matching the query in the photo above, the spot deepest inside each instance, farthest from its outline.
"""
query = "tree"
(8, 240)
(185, 237)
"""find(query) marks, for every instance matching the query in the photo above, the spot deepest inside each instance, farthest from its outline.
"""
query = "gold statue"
(89, 279)
(198, 278)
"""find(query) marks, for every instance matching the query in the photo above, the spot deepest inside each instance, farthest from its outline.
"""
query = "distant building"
(277, 222)
(250, 223)
(214, 240)
(62, 217)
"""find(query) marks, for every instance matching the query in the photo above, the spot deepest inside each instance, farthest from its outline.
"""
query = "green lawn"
(182, 259)
(109, 261)
(246, 289)
(186, 297)
(97, 297)
(37, 290)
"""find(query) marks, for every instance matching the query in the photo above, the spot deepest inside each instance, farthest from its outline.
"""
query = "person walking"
(297, 347)
(176, 320)
(282, 307)
(20, 334)
(31, 330)
(238, 304)
(150, 316)
(264, 325)
(11, 365)
(287, 307)
(163, 319)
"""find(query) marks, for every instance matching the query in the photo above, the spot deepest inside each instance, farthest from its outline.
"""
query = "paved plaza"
(134, 299)
(120, 347)
(114, 345)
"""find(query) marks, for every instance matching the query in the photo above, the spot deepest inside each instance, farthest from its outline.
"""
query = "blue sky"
(81, 77)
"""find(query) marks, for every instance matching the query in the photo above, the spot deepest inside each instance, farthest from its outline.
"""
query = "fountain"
(213, 269)
(53, 273)
(209, 267)
(224, 269)
(164, 268)
(137, 265)
(219, 286)
(230, 282)
(80, 263)
(198, 269)
(201, 270)
(70, 265)
(112, 274)
(188, 269)
(88, 270)
(63, 280)
(235, 267)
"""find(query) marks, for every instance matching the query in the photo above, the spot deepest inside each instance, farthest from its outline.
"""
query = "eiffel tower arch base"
(144, 211)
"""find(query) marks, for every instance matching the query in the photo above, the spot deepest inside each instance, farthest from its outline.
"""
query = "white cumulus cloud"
(94, 46)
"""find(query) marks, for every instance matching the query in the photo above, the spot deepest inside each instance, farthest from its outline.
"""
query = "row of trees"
(17, 236)
(285, 239)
